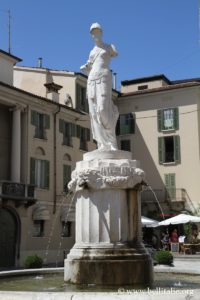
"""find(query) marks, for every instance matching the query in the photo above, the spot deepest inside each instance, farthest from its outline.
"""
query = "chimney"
(40, 62)
(52, 91)
(114, 81)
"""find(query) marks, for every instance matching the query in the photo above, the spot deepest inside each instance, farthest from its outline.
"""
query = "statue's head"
(96, 32)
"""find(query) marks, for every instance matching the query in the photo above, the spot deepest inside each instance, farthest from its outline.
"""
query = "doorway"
(9, 228)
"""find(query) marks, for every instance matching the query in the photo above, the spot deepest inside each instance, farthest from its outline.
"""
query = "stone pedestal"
(108, 248)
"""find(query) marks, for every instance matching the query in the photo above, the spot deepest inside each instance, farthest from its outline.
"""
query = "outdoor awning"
(40, 212)
(146, 222)
(66, 215)
(180, 219)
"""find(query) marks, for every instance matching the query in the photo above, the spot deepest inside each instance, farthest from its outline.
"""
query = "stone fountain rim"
(7, 295)
(160, 269)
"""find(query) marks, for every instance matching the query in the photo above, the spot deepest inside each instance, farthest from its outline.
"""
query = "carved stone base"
(108, 248)
(109, 266)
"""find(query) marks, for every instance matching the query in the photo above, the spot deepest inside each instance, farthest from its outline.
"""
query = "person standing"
(174, 236)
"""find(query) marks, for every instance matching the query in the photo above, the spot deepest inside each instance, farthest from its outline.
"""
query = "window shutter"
(118, 127)
(61, 126)
(46, 121)
(86, 102)
(32, 171)
(167, 180)
(177, 152)
(66, 175)
(78, 131)
(78, 96)
(160, 120)
(88, 134)
(172, 180)
(132, 123)
(176, 118)
(70, 129)
(161, 150)
(73, 129)
(34, 117)
(46, 174)
(170, 183)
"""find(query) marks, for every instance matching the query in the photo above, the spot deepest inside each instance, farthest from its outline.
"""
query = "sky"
(151, 36)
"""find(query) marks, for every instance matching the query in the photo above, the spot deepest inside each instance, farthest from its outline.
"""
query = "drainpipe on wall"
(55, 156)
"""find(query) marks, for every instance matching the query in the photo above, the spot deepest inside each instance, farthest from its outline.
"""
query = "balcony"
(168, 195)
(176, 195)
(20, 193)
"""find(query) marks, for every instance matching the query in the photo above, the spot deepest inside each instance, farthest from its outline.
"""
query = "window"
(170, 183)
(169, 149)
(38, 228)
(81, 98)
(66, 229)
(41, 123)
(84, 135)
(125, 124)
(66, 177)
(168, 119)
(142, 87)
(126, 145)
(68, 130)
(39, 173)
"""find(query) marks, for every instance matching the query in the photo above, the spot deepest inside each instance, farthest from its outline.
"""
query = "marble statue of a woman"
(103, 112)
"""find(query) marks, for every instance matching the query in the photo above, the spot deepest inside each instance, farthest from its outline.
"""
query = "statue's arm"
(86, 68)
(113, 50)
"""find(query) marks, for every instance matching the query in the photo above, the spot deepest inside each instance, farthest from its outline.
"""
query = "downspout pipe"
(55, 159)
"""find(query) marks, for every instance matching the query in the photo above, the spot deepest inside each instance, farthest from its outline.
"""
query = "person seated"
(165, 241)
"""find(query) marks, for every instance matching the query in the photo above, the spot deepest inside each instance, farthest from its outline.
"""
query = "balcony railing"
(22, 194)
(175, 195)
(169, 195)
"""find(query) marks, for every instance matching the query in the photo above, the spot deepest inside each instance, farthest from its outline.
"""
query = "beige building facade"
(45, 130)
(41, 138)
(160, 124)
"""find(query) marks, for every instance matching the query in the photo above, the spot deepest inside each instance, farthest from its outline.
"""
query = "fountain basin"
(45, 284)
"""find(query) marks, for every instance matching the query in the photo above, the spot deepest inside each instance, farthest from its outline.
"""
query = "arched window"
(39, 151)
(67, 157)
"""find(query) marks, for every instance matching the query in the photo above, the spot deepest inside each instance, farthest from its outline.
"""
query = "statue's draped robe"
(103, 112)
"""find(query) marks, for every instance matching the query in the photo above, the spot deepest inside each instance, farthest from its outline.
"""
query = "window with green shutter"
(66, 176)
(39, 173)
(84, 135)
(68, 130)
(125, 124)
(170, 183)
(41, 123)
(81, 98)
(169, 149)
(168, 119)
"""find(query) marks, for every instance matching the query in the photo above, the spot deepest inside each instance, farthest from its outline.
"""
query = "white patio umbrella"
(180, 219)
(146, 222)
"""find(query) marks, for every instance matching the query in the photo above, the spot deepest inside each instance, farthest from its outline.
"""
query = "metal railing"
(169, 195)
(20, 192)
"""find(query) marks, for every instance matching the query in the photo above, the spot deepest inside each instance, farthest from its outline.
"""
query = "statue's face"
(96, 35)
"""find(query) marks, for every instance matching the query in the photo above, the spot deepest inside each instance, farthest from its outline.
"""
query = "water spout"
(156, 198)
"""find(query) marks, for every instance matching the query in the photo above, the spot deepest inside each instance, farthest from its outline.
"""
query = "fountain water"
(65, 198)
(66, 219)
(156, 198)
